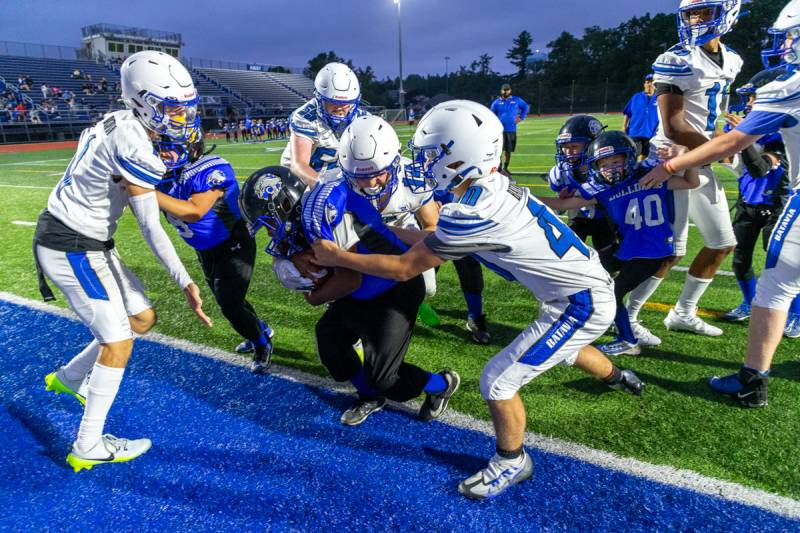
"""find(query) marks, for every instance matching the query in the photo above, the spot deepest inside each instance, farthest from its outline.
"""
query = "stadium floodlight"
(400, 94)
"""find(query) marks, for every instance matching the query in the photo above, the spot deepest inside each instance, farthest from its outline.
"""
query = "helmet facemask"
(721, 17)
(612, 172)
(337, 122)
(780, 54)
(420, 173)
(379, 195)
(176, 119)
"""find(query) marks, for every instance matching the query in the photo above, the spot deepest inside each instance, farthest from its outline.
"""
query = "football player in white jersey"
(693, 80)
(115, 165)
(457, 147)
(315, 127)
(369, 157)
(777, 108)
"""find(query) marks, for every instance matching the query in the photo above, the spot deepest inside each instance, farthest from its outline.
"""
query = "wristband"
(669, 167)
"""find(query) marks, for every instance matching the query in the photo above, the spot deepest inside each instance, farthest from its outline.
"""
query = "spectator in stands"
(28, 80)
(55, 91)
(67, 95)
(116, 87)
(45, 90)
(76, 74)
(511, 110)
(86, 88)
(19, 112)
(87, 77)
(641, 117)
(21, 83)
(35, 118)
(104, 84)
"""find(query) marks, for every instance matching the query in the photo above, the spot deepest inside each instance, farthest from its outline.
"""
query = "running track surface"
(238, 452)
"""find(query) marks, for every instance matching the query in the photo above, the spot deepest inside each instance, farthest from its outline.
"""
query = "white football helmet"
(454, 141)
(726, 14)
(336, 84)
(160, 91)
(787, 26)
(368, 147)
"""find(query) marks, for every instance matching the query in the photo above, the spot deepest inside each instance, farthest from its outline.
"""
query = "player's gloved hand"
(291, 278)
(195, 303)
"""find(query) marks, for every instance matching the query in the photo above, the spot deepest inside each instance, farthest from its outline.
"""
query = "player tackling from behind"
(457, 147)
(115, 165)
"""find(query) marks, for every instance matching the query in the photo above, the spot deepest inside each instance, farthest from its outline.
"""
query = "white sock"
(639, 296)
(80, 365)
(103, 387)
(693, 289)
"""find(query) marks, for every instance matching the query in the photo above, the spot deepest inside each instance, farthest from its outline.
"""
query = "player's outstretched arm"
(562, 204)
(717, 148)
(145, 207)
(689, 180)
(403, 267)
(343, 282)
(190, 210)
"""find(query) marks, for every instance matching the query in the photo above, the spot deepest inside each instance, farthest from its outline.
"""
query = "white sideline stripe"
(23, 186)
(719, 272)
(668, 475)
(38, 162)
(23, 223)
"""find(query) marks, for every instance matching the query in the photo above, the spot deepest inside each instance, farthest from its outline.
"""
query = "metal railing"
(129, 31)
(47, 51)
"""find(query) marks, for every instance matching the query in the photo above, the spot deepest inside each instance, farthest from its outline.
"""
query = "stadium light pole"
(400, 96)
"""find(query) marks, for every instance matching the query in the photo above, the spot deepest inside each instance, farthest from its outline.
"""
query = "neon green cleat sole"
(118, 450)
(427, 315)
(52, 383)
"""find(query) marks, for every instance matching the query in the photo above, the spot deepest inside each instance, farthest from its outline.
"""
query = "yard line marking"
(23, 223)
(682, 478)
(24, 186)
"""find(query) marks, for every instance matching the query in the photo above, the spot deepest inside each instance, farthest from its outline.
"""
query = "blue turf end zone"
(238, 452)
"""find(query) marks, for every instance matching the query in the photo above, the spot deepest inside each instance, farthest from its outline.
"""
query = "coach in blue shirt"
(641, 117)
(510, 110)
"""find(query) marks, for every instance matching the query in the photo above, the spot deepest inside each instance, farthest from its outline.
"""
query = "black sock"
(509, 454)
(614, 377)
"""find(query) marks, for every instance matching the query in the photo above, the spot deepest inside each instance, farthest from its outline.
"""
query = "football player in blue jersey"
(641, 216)
(381, 313)
(776, 108)
(571, 171)
(200, 201)
(763, 187)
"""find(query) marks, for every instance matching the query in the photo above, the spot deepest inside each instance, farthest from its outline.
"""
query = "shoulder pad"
(679, 49)
(784, 89)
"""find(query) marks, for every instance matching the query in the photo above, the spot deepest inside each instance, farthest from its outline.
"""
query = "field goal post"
(393, 115)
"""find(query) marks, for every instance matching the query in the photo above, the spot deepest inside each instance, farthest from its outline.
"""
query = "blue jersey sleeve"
(216, 177)
(628, 111)
(524, 108)
(765, 122)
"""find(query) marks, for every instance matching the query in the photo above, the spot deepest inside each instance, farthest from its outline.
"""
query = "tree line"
(602, 68)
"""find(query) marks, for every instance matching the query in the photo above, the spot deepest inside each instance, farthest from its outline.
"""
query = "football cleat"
(737, 314)
(497, 477)
(620, 347)
(677, 322)
(262, 359)
(427, 315)
(644, 335)
(480, 332)
(436, 404)
(792, 329)
(59, 384)
(247, 346)
(361, 410)
(628, 382)
(109, 449)
(749, 387)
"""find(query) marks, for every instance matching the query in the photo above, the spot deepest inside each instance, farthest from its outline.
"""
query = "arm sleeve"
(758, 165)
(554, 179)
(493, 107)
(145, 208)
(136, 159)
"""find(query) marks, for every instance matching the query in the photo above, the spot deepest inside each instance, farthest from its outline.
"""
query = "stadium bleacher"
(265, 90)
(58, 73)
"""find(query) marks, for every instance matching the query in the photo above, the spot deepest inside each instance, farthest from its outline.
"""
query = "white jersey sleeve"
(704, 83)
(782, 96)
(133, 153)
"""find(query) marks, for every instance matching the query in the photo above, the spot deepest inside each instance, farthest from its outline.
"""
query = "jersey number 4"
(559, 236)
(645, 210)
